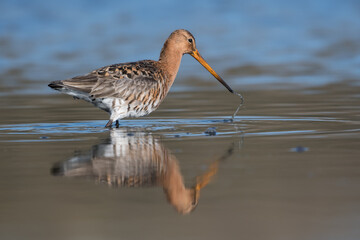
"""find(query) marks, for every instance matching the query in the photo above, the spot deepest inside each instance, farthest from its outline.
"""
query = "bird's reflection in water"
(137, 159)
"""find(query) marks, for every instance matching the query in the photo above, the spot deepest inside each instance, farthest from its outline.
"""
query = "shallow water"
(287, 167)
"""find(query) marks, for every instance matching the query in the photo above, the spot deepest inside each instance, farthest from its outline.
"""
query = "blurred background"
(262, 43)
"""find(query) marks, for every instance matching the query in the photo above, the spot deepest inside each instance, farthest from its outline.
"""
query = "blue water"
(293, 43)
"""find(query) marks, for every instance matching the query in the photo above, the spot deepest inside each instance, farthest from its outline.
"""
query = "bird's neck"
(170, 59)
(173, 185)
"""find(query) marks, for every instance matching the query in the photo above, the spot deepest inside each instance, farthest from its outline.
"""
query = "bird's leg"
(117, 124)
(109, 123)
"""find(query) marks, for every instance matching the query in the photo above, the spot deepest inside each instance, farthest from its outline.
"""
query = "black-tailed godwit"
(135, 89)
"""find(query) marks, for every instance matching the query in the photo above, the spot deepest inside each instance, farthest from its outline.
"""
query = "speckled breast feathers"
(124, 90)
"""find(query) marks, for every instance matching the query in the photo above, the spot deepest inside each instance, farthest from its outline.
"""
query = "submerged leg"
(109, 123)
(116, 114)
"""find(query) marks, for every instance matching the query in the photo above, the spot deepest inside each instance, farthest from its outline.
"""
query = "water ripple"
(178, 128)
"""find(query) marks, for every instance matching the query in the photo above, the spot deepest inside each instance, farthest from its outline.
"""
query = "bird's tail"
(57, 85)
(77, 93)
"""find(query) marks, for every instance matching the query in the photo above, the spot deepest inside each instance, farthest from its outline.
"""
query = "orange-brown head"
(182, 42)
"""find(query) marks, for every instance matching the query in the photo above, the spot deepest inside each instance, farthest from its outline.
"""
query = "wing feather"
(118, 81)
(122, 88)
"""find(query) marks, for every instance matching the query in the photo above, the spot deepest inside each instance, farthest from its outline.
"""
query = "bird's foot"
(117, 124)
(109, 124)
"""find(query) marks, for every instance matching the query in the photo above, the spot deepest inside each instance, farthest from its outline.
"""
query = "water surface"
(287, 167)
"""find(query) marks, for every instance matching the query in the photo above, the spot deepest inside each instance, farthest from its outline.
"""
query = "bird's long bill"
(195, 54)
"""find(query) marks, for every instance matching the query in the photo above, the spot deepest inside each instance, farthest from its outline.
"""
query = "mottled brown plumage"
(137, 88)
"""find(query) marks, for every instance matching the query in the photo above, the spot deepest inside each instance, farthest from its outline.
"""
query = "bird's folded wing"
(123, 88)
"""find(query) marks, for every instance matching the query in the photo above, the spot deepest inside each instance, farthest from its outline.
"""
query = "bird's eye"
(190, 40)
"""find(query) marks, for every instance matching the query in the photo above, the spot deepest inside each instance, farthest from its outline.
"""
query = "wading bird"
(135, 89)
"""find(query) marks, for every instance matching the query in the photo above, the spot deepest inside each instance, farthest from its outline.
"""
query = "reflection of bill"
(136, 159)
